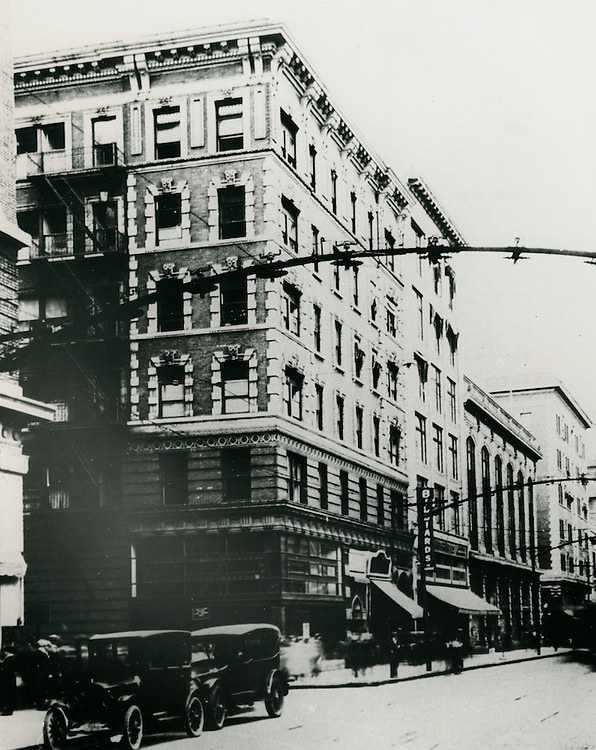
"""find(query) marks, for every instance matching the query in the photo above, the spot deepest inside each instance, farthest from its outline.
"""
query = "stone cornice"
(436, 213)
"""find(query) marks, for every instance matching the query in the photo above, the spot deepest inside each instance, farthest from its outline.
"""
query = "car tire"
(274, 702)
(217, 708)
(132, 729)
(55, 729)
(194, 716)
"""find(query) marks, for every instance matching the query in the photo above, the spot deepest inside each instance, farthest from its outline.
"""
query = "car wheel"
(55, 729)
(194, 716)
(274, 702)
(217, 708)
(132, 730)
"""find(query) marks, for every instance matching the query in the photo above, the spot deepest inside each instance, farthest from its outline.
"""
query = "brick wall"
(7, 180)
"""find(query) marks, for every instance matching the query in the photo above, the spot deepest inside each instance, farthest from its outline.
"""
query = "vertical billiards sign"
(425, 527)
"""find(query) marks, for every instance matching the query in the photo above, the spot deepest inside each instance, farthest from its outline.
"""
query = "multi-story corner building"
(550, 412)
(15, 410)
(501, 469)
(237, 455)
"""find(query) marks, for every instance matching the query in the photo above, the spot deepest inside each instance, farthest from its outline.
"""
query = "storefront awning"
(12, 565)
(403, 601)
(464, 600)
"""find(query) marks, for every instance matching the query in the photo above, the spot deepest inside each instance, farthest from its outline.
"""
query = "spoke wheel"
(55, 729)
(274, 702)
(132, 731)
(194, 716)
(217, 708)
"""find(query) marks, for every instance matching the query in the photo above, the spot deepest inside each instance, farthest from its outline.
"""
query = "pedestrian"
(455, 648)
(393, 654)
(8, 685)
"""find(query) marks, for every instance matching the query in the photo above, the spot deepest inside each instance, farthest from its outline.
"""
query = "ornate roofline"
(434, 210)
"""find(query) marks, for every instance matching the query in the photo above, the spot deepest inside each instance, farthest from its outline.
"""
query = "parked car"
(236, 665)
(137, 681)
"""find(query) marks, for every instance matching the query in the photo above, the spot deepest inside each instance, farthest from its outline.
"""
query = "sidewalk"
(334, 674)
(23, 730)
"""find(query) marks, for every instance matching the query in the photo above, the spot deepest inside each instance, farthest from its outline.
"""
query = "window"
(438, 445)
(420, 313)
(319, 405)
(289, 216)
(334, 191)
(421, 449)
(41, 138)
(170, 313)
(232, 214)
(27, 140)
(390, 244)
(390, 322)
(511, 511)
(355, 286)
(392, 373)
(291, 309)
(371, 230)
(363, 492)
(422, 367)
(338, 343)
(455, 505)
(293, 393)
(236, 474)
(380, 505)
(171, 391)
(317, 327)
(168, 216)
(173, 478)
(394, 444)
(105, 133)
(439, 503)
(234, 383)
(336, 278)
(353, 201)
(472, 500)
(297, 489)
(167, 132)
(451, 399)
(399, 511)
(521, 504)
(288, 138)
(358, 358)
(230, 129)
(376, 370)
(323, 486)
(438, 389)
(499, 500)
(359, 418)
(487, 511)
(344, 492)
(312, 156)
(453, 457)
(106, 237)
(376, 435)
(316, 245)
(339, 415)
(233, 300)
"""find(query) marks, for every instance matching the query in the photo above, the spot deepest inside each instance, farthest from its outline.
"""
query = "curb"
(422, 675)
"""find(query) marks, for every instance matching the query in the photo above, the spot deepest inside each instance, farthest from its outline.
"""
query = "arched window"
(487, 506)
(511, 511)
(499, 506)
(521, 501)
(472, 500)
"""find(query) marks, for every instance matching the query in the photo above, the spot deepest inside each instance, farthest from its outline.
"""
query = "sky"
(491, 103)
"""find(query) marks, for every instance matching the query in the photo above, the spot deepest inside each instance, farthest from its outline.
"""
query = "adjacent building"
(247, 453)
(547, 408)
(501, 467)
(15, 410)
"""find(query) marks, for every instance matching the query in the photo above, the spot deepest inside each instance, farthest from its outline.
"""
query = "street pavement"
(23, 730)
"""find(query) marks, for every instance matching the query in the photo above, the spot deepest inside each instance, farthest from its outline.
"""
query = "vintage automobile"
(236, 665)
(136, 681)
